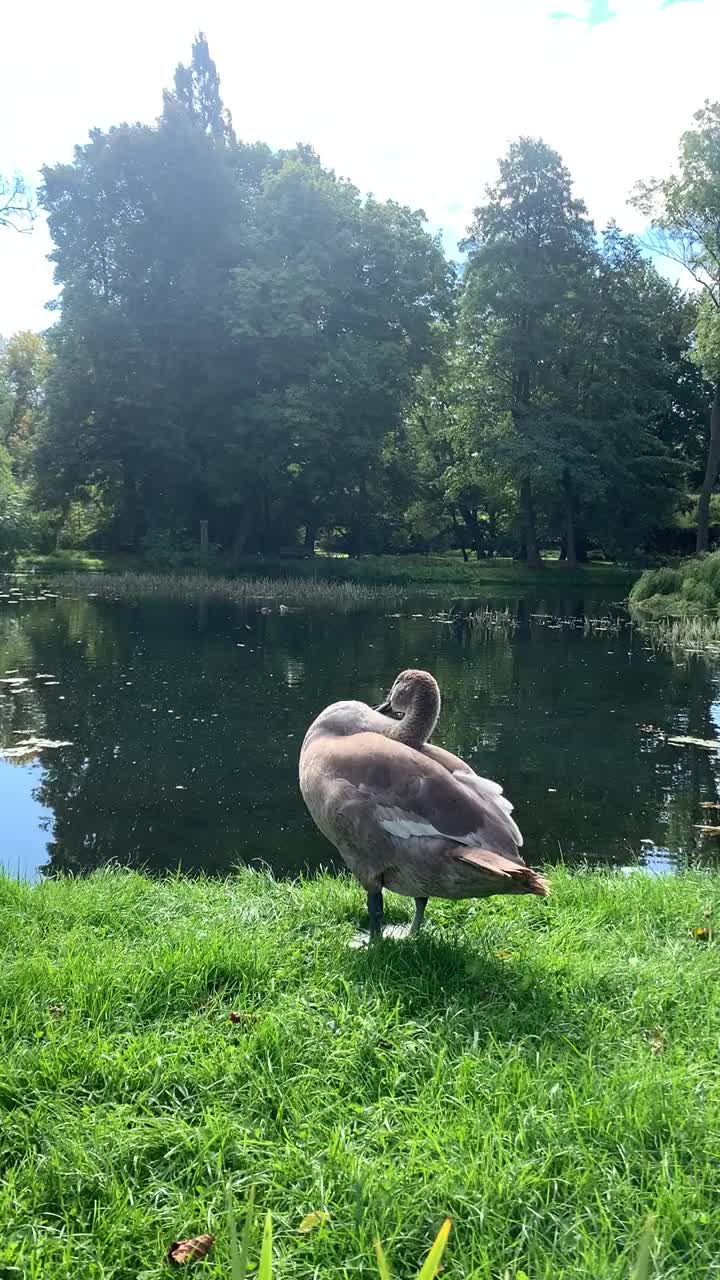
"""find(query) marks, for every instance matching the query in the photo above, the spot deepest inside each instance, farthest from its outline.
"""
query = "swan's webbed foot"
(379, 930)
(417, 920)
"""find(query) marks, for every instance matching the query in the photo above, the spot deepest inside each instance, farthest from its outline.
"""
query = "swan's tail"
(510, 877)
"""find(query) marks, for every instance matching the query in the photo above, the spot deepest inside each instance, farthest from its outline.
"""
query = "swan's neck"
(419, 721)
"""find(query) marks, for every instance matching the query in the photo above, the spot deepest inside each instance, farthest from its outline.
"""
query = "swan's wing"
(406, 794)
(488, 791)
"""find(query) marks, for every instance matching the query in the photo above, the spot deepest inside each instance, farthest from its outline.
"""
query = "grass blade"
(239, 1256)
(382, 1262)
(265, 1267)
(641, 1270)
(431, 1264)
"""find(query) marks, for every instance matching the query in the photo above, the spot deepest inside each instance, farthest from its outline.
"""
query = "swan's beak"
(385, 709)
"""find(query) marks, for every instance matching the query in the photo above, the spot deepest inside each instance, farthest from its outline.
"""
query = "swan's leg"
(375, 912)
(416, 926)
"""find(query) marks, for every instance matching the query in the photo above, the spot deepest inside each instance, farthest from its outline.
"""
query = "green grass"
(543, 1072)
(689, 589)
(343, 585)
(71, 561)
(398, 571)
(269, 593)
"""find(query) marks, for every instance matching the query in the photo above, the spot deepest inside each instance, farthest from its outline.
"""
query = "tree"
(338, 300)
(528, 245)
(465, 488)
(197, 94)
(685, 215)
(24, 366)
(17, 207)
(623, 360)
(239, 330)
(14, 515)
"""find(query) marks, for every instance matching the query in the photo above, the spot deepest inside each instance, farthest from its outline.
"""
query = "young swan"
(406, 815)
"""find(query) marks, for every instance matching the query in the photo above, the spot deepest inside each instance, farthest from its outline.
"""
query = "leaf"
(702, 934)
(657, 1041)
(235, 1017)
(313, 1220)
(265, 1265)
(192, 1250)
(431, 1265)
(382, 1262)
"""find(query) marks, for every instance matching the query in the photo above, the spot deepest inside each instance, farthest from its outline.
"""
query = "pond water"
(185, 722)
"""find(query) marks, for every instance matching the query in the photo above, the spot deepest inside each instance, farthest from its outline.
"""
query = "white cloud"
(409, 102)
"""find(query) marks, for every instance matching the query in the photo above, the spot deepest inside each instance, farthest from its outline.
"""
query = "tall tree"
(528, 245)
(684, 210)
(197, 94)
(239, 330)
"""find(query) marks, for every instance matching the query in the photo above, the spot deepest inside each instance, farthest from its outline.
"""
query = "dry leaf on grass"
(192, 1250)
(701, 934)
(313, 1220)
(657, 1041)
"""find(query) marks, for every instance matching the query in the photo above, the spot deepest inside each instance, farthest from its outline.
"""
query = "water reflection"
(186, 722)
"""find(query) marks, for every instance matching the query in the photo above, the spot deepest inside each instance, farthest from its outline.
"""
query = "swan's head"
(414, 694)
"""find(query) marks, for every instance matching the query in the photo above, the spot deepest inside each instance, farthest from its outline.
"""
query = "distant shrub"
(164, 550)
(692, 588)
(656, 582)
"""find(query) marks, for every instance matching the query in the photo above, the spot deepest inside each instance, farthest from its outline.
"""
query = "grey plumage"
(406, 815)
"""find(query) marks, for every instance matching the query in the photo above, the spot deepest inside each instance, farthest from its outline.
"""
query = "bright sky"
(410, 102)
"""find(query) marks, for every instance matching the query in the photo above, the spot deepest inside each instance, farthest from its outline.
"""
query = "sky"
(409, 101)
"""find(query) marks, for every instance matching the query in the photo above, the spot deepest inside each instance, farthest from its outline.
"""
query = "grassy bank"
(402, 571)
(680, 606)
(345, 584)
(544, 1072)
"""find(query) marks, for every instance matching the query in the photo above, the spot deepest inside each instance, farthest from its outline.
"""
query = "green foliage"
(690, 589)
(244, 339)
(656, 582)
(532, 1069)
(15, 517)
(17, 205)
(708, 338)
(239, 330)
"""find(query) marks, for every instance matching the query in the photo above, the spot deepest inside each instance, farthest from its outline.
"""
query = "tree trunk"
(532, 555)
(570, 544)
(492, 534)
(242, 529)
(472, 524)
(711, 470)
(460, 540)
(310, 536)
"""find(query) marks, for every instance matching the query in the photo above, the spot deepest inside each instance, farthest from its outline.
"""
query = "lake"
(185, 722)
